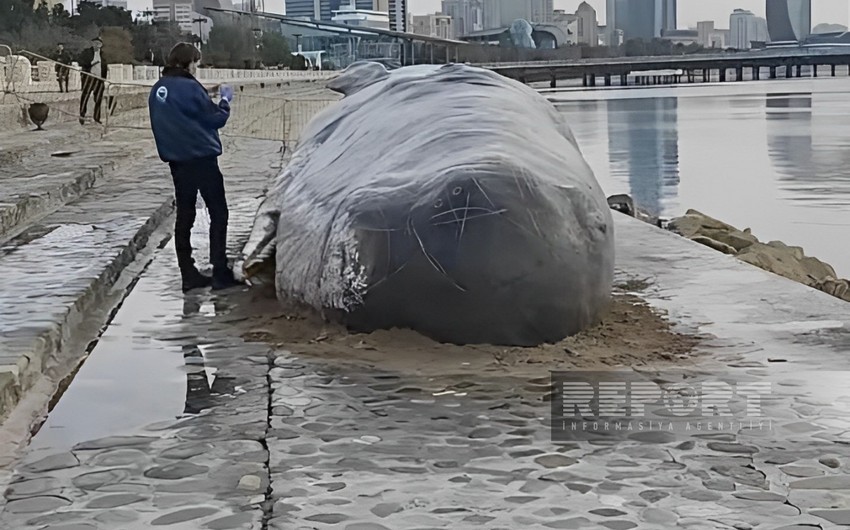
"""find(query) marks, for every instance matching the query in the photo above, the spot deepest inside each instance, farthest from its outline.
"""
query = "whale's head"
(478, 241)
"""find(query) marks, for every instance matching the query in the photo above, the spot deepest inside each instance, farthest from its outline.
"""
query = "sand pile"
(631, 334)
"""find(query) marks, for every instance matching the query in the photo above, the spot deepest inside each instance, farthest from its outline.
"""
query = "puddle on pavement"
(150, 364)
(128, 380)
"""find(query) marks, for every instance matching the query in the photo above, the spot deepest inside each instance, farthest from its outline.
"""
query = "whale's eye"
(457, 191)
(438, 203)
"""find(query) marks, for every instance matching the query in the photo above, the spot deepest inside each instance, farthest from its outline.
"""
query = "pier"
(772, 64)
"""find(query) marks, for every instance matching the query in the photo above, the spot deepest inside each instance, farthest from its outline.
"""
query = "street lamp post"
(258, 35)
(200, 21)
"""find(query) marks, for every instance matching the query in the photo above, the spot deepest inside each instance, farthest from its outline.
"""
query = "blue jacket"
(184, 119)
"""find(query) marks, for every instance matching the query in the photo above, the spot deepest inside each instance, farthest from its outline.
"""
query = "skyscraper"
(789, 20)
(398, 15)
(641, 19)
(466, 16)
(320, 9)
(587, 25)
(746, 28)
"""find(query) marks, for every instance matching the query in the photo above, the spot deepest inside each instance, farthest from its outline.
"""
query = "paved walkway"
(65, 253)
(173, 421)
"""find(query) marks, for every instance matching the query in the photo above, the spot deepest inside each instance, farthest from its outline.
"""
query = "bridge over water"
(778, 61)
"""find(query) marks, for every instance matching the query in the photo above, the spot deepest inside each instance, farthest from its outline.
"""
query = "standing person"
(185, 123)
(63, 61)
(94, 72)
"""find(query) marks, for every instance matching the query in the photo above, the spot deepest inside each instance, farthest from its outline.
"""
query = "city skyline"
(693, 11)
(689, 11)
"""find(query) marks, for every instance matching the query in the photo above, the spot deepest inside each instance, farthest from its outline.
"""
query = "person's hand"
(226, 92)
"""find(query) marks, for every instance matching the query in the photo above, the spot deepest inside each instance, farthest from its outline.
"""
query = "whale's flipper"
(357, 77)
(259, 251)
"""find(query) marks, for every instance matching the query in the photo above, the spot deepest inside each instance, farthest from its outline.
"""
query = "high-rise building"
(321, 9)
(436, 25)
(746, 28)
(466, 16)
(789, 20)
(587, 25)
(641, 19)
(710, 37)
(704, 30)
(179, 11)
(398, 15)
(502, 13)
(349, 15)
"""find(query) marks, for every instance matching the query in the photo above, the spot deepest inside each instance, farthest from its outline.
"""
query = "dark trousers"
(62, 76)
(91, 86)
(200, 175)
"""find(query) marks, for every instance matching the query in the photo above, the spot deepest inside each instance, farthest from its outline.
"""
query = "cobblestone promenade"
(176, 421)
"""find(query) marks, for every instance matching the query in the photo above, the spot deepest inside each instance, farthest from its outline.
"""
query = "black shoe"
(224, 279)
(193, 279)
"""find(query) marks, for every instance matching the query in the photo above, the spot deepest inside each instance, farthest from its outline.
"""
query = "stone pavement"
(62, 268)
(168, 472)
(175, 421)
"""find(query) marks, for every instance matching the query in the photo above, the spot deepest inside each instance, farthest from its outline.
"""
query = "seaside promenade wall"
(262, 115)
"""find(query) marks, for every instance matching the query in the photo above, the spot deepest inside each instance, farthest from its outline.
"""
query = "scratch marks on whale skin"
(431, 259)
(466, 210)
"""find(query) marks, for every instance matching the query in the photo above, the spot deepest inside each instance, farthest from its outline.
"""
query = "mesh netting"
(271, 107)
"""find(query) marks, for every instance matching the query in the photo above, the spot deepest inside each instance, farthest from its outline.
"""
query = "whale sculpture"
(445, 199)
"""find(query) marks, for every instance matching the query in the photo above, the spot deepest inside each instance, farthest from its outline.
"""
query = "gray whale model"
(445, 199)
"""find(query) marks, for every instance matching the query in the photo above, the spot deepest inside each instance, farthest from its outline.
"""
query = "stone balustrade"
(18, 70)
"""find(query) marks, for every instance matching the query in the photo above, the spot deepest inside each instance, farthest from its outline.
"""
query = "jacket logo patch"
(162, 94)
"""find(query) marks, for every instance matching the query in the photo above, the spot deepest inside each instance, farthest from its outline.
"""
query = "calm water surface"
(772, 156)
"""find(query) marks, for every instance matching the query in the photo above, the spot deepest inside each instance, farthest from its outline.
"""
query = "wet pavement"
(174, 421)
(67, 242)
(62, 269)
(160, 375)
(171, 465)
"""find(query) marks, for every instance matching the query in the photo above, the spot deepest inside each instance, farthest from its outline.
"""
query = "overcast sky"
(690, 11)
